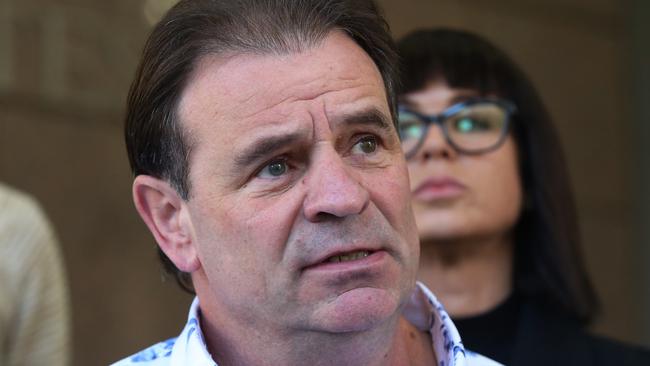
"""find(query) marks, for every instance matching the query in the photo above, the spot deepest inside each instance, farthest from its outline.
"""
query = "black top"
(492, 334)
(523, 332)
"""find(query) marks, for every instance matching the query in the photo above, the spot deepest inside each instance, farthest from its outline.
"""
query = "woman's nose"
(435, 146)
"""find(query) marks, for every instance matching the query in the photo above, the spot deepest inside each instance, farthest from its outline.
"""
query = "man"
(270, 172)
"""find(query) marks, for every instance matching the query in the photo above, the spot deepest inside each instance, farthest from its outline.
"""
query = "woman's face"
(459, 196)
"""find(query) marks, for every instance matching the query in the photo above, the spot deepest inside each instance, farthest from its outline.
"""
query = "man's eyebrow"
(263, 147)
(371, 117)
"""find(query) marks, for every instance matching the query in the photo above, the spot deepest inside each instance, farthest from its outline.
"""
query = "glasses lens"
(477, 127)
(411, 130)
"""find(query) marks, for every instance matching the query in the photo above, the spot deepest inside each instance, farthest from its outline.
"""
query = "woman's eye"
(470, 124)
(410, 131)
(367, 145)
(274, 169)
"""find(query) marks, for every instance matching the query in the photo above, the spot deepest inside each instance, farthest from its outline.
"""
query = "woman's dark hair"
(548, 265)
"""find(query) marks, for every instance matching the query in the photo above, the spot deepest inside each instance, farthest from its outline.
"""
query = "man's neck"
(396, 343)
(469, 277)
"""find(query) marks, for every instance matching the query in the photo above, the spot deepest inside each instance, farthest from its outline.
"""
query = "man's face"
(299, 198)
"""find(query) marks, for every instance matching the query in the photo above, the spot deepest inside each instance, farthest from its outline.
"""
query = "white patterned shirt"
(423, 310)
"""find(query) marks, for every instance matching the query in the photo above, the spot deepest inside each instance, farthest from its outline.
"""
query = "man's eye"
(367, 145)
(274, 169)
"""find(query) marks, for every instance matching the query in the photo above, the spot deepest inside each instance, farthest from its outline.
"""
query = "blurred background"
(65, 69)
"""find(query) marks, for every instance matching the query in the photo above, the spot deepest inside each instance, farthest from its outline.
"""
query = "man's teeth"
(349, 257)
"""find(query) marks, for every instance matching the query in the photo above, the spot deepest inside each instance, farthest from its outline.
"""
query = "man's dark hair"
(156, 142)
(548, 265)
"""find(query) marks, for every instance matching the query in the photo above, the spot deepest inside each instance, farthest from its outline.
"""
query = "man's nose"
(334, 189)
(435, 145)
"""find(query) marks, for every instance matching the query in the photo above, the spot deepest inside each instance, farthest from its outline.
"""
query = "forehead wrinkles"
(311, 90)
(272, 80)
(241, 86)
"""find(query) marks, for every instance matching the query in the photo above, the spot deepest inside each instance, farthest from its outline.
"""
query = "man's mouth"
(348, 257)
(350, 261)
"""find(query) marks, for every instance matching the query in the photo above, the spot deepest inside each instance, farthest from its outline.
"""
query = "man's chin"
(357, 310)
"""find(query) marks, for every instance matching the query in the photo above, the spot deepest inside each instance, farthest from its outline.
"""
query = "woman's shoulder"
(606, 351)
(551, 338)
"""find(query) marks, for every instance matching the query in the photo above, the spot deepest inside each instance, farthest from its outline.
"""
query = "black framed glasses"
(474, 127)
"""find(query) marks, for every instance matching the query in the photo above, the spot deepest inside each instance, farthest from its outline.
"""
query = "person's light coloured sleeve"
(34, 314)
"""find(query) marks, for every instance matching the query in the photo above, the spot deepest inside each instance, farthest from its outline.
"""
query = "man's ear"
(165, 213)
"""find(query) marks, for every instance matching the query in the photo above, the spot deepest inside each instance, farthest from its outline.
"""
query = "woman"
(492, 200)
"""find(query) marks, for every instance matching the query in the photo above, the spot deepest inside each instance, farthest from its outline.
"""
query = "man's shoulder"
(157, 355)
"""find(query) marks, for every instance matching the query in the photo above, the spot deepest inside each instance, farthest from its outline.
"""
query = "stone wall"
(66, 69)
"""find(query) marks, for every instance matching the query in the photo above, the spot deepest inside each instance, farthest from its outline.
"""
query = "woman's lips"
(434, 189)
